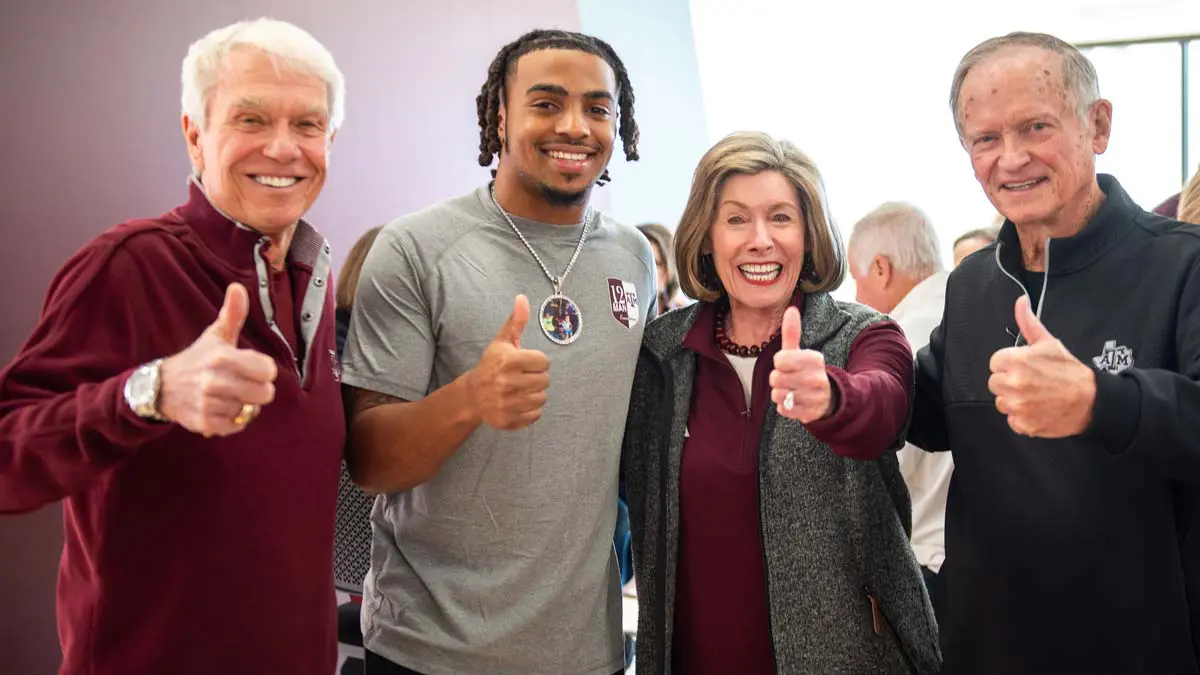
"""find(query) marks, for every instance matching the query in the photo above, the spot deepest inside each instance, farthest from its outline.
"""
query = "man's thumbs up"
(232, 316)
(1027, 322)
(512, 329)
(1041, 387)
(507, 388)
(791, 329)
(212, 387)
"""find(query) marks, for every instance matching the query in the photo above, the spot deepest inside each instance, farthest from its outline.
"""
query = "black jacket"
(1077, 555)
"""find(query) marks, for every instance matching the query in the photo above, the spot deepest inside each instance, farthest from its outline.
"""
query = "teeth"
(275, 181)
(570, 156)
(761, 271)
(1021, 186)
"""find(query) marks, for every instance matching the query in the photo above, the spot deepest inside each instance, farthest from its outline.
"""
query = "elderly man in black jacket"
(1064, 375)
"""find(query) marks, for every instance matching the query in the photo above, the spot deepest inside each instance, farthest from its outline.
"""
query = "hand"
(507, 388)
(1044, 390)
(204, 387)
(802, 373)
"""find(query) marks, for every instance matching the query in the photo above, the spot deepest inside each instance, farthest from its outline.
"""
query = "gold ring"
(248, 412)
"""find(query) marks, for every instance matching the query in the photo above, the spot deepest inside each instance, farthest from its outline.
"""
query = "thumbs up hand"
(212, 387)
(1041, 387)
(507, 388)
(800, 386)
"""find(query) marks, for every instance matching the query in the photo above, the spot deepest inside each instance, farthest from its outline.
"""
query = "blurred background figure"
(970, 242)
(347, 283)
(662, 243)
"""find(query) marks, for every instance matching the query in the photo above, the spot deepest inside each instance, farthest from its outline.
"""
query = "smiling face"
(557, 124)
(757, 240)
(262, 153)
(1031, 151)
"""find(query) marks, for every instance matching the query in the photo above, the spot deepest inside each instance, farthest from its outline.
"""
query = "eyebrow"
(558, 90)
(257, 104)
(772, 207)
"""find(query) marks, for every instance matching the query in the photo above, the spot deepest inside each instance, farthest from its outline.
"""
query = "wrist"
(468, 408)
(834, 399)
(142, 391)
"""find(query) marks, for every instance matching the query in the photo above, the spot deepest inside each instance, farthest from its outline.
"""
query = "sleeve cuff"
(826, 428)
(133, 429)
(1115, 413)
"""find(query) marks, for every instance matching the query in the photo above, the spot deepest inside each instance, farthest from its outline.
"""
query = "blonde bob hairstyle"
(752, 152)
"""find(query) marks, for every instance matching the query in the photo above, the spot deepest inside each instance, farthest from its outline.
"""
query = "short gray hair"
(1079, 75)
(290, 45)
(900, 232)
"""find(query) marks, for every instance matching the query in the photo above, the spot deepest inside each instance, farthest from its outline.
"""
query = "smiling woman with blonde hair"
(770, 520)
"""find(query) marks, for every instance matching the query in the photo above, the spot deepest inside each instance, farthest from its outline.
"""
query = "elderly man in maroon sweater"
(193, 428)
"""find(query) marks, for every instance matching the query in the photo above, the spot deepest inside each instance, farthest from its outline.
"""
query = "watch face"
(141, 387)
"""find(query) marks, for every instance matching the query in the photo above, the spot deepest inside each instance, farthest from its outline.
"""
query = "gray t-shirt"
(502, 563)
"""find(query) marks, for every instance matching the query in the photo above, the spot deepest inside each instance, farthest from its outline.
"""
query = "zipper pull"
(876, 619)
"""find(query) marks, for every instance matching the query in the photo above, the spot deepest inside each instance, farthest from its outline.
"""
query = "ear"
(191, 135)
(881, 267)
(1101, 119)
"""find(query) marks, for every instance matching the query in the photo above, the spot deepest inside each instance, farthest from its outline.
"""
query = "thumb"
(512, 329)
(1027, 322)
(791, 329)
(228, 325)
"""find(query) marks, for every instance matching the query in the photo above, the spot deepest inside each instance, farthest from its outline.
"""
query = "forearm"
(395, 445)
(1152, 414)
(872, 408)
(53, 446)
(871, 395)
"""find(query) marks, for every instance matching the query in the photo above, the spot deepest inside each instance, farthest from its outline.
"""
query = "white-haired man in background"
(180, 392)
(897, 269)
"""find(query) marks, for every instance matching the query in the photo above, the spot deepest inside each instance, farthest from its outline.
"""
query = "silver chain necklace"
(558, 316)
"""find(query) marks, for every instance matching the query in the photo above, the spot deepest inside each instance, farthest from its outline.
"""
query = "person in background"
(1189, 201)
(972, 241)
(347, 283)
(180, 392)
(662, 243)
(770, 519)
(897, 269)
(1169, 208)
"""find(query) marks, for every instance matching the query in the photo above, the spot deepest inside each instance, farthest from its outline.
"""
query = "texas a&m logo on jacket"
(623, 297)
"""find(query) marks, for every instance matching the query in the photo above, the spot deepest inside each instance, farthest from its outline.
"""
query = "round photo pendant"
(560, 319)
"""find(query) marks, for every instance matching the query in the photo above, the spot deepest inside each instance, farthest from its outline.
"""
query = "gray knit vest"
(835, 530)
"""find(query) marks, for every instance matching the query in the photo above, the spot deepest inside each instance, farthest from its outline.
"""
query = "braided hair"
(491, 94)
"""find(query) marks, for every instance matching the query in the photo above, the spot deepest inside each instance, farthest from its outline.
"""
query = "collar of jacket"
(1071, 254)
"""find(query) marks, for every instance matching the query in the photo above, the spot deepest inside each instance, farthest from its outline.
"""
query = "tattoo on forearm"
(365, 400)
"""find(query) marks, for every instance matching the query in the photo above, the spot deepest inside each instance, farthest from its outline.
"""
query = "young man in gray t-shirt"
(489, 360)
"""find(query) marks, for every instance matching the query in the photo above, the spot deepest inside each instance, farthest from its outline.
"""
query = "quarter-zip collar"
(1072, 254)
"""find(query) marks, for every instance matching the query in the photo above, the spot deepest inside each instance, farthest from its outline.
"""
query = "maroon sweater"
(182, 555)
(721, 613)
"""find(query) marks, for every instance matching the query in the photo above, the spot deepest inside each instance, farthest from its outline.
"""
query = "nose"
(572, 123)
(282, 146)
(761, 241)
(1013, 155)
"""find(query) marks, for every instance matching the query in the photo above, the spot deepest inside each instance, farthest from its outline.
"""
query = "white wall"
(654, 40)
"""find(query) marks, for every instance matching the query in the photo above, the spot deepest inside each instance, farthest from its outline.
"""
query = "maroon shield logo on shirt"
(623, 297)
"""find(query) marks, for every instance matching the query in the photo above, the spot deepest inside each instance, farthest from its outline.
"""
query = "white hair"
(290, 45)
(1078, 74)
(900, 232)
